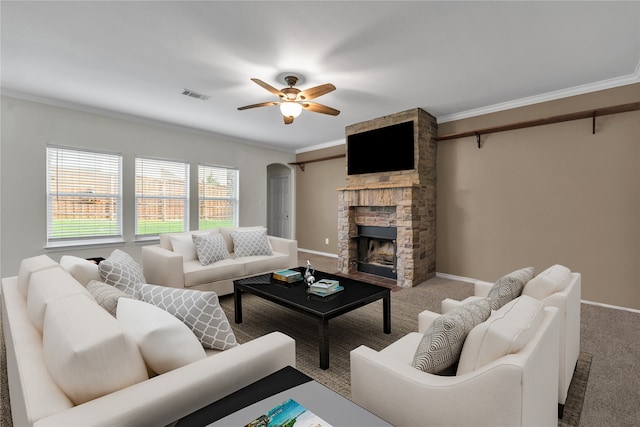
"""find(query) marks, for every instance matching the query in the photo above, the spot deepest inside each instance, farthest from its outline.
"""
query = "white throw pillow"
(31, 265)
(251, 243)
(46, 286)
(183, 244)
(553, 279)
(506, 331)
(86, 350)
(164, 341)
(121, 271)
(210, 248)
(81, 269)
(199, 310)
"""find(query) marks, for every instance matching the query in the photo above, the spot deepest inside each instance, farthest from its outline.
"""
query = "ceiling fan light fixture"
(290, 109)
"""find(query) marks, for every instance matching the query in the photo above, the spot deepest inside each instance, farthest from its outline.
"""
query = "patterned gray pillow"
(442, 342)
(199, 310)
(210, 247)
(121, 271)
(250, 243)
(106, 296)
(509, 287)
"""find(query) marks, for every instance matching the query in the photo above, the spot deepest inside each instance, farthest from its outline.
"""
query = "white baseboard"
(318, 253)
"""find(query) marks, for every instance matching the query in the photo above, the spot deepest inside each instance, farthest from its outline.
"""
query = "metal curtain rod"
(634, 106)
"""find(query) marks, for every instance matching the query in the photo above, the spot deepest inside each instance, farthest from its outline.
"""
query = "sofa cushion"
(197, 274)
(31, 265)
(46, 286)
(265, 263)
(81, 269)
(87, 351)
(164, 341)
(506, 331)
(509, 287)
(121, 271)
(210, 248)
(106, 296)
(199, 310)
(183, 238)
(442, 342)
(553, 279)
(251, 243)
(183, 244)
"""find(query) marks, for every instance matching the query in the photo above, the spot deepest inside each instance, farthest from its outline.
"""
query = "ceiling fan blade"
(288, 120)
(319, 108)
(317, 91)
(268, 87)
(262, 104)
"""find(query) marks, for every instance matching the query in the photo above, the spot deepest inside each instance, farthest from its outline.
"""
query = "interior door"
(279, 204)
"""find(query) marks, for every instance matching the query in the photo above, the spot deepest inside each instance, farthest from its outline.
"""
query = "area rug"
(362, 326)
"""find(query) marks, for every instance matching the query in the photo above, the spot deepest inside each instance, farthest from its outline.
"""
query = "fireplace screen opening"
(377, 250)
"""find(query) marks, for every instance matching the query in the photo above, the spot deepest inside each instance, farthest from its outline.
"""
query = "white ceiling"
(452, 59)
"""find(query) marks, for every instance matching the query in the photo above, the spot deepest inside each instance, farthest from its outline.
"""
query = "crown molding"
(545, 97)
(320, 146)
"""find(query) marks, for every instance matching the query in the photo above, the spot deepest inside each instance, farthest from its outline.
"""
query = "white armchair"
(567, 301)
(516, 389)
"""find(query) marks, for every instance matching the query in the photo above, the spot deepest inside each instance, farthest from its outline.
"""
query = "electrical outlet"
(326, 241)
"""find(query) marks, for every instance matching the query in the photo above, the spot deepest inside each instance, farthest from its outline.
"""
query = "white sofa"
(498, 385)
(557, 287)
(40, 308)
(174, 261)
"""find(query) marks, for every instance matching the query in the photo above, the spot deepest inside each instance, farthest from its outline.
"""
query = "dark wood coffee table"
(294, 296)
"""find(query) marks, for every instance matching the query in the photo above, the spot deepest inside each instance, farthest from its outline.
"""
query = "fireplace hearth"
(377, 250)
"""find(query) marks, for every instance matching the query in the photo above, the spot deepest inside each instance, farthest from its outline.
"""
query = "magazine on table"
(289, 414)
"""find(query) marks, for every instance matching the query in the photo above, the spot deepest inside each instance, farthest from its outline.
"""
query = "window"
(162, 196)
(218, 196)
(84, 197)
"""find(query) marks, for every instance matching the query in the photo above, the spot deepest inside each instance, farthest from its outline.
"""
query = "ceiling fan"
(293, 100)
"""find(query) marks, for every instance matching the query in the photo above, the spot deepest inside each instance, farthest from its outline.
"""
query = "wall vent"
(196, 95)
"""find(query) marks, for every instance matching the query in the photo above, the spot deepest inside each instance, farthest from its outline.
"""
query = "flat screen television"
(381, 150)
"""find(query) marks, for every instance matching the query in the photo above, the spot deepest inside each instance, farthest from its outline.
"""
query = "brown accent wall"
(536, 196)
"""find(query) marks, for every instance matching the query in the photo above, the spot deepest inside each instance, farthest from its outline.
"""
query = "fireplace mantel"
(379, 187)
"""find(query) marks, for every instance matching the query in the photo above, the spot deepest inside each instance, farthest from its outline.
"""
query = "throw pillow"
(106, 296)
(121, 271)
(506, 331)
(81, 269)
(31, 265)
(210, 248)
(442, 342)
(164, 341)
(87, 352)
(553, 279)
(251, 243)
(183, 245)
(509, 287)
(199, 310)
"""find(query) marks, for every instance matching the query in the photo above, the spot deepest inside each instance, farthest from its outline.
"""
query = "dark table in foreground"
(248, 403)
(294, 296)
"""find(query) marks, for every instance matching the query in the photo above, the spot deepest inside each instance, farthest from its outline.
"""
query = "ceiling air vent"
(196, 95)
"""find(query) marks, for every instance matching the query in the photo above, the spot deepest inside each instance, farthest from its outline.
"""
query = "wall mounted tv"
(381, 150)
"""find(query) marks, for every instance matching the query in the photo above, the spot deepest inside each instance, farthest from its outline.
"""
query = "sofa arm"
(286, 246)
(163, 399)
(162, 267)
(425, 318)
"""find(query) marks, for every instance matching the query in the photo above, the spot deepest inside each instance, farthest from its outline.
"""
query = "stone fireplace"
(404, 201)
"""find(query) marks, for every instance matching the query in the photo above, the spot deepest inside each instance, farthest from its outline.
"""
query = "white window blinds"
(162, 196)
(84, 196)
(217, 196)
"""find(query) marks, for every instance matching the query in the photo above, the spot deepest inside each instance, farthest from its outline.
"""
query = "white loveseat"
(61, 344)
(558, 287)
(175, 263)
(506, 376)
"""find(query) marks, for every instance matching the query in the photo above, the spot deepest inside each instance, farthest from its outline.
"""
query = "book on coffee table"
(288, 276)
(289, 413)
(323, 293)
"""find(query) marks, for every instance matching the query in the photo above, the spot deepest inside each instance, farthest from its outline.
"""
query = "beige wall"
(535, 196)
(544, 195)
(317, 199)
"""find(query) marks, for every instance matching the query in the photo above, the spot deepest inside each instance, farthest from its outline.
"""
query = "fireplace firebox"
(377, 250)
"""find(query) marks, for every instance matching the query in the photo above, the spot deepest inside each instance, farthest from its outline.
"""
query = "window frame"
(186, 199)
(233, 199)
(80, 156)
